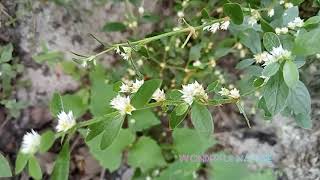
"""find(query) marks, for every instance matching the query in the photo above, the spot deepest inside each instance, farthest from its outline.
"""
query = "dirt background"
(294, 151)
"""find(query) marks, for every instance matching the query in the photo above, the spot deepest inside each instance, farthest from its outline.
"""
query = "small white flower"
(136, 85)
(141, 10)
(297, 22)
(159, 95)
(212, 28)
(225, 25)
(279, 52)
(126, 54)
(270, 12)
(126, 87)
(224, 92)
(65, 121)
(281, 2)
(122, 104)
(288, 5)
(185, 3)
(30, 142)
(283, 30)
(276, 54)
(318, 56)
(213, 63)
(234, 93)
(252, 21)
(130, 86)
(180, 14)
(262, 57)
(131, 72)
(197, 63)
(192, 91)
(140, 62)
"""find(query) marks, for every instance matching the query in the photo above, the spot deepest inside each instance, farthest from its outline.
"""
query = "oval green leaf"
(234, 11)
(290, 74)
(201, 119)
(271, 40)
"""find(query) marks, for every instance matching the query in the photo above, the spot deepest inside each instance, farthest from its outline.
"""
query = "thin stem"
(157, 37)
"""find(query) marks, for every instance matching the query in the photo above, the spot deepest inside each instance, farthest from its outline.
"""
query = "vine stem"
(152, 105)
(188, 29)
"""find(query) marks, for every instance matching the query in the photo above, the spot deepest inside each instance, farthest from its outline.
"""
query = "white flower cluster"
(65, 121)
(159, 95)
(224, 25)
(271, 12)
(30, 142)
(297, 22)
(122, 104)
(130, 86)
(253, 19)
(286, 4)
(283, 30)
(275, 55)
(233, 93)
(192, 91)
(126, 54)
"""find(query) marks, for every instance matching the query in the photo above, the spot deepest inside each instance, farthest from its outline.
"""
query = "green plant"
(273, 46)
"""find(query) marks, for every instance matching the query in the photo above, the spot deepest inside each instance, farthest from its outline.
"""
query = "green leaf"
(299, 100)
(56, 105)
(77, 103)
(5, 170)
(97, 128)
(47, 140)
(226, 170)
(150, 18)
(290, 73)
(50, 57)
(271, 69)
(21, 162)
(303, 120)
(113, 27)
(188, 141)
(179, 170)
(175, 119)
(212, 87)
(6, 54)
(143, 119)
(201, 119)
(265, 26)
(307, 43)
(111, 157)
(101, 93)
(275, 93)
(182, 109)
(111, 131)
(195, 52)
(145, 92)
(289, 15)
(251, 39)
(263, 105)
(62, 163)
(312, 22)
(258, 82)
(270, 41)
(234, 11)
(145, 154)
(245, 63)
(34, 168)
(243, 112)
